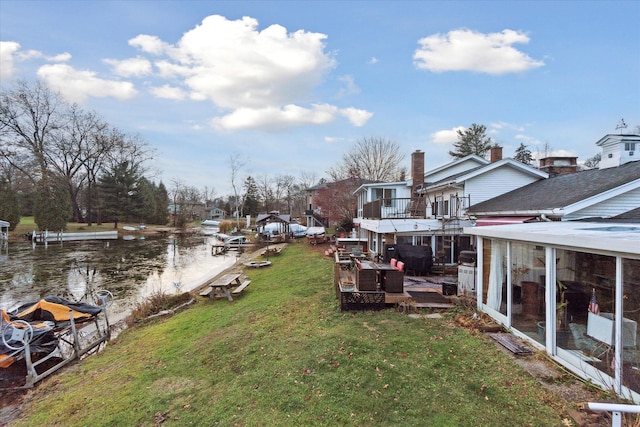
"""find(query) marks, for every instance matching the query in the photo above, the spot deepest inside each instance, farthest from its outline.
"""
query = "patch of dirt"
(572, 393)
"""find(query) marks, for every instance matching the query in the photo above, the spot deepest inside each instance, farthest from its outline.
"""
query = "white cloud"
(263, 78)
(149, 44)
(496, 126)
(467, 50)
(7, 52)
(350, 86)
(77, 85)
(168, 92)
(373, 60)
(132, 67)
(357, 117)
(448, 136)
(275, 118)
(333, 139)
(61, 57)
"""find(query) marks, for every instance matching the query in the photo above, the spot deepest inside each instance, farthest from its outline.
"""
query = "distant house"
(430, 209)
(215, 213)
(568, 280)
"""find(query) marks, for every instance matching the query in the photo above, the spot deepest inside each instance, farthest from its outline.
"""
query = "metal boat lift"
(47, 339)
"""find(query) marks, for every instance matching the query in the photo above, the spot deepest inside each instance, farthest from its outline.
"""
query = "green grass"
(284, 354)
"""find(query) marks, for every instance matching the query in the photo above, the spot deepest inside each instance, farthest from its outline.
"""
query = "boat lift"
(42, 337)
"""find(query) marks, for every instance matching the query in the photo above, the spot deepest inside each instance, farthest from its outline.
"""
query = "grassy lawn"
(284, 354)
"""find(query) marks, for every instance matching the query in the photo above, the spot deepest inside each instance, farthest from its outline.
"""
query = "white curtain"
(494, 293)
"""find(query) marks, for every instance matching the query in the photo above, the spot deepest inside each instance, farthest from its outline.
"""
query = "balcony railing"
(441, 208)
(395, 208)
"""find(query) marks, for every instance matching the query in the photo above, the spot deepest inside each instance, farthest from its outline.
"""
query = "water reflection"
(131, 270)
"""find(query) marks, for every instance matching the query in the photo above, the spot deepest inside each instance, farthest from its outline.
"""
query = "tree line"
(59, 162)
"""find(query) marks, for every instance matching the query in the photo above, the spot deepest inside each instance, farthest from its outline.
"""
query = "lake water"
(130, 269)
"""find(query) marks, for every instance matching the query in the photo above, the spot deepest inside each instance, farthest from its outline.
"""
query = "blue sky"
(287, 87)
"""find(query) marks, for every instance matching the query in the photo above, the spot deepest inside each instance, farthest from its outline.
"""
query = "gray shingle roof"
(561, 190)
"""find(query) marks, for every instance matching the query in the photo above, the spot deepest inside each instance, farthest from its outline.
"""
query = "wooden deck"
(427, 293)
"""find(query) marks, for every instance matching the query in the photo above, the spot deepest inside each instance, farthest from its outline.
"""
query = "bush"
(226, 227)
(157, 302)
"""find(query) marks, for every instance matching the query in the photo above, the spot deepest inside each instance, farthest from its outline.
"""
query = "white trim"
(604, 237)
(606, 195)
(504, 162)
(480, 160)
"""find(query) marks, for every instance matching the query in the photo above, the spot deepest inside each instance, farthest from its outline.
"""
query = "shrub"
(157, 302)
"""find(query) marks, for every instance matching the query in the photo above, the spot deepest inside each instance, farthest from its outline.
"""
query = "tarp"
(502, 220)
(55, 309)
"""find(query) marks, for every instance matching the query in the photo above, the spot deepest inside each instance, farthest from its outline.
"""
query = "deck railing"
(395, 208)
(442, 208)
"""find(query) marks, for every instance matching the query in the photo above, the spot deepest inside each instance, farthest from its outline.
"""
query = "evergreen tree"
(52, 205)
(471, 141)
(146, 196)
(251, 199)
(121, 200)
(9, 205)
(523, 154)
(162, 205)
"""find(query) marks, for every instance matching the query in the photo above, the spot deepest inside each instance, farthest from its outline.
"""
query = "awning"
(502, 220)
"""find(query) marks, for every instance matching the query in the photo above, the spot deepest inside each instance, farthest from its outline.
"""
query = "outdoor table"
(224, 283)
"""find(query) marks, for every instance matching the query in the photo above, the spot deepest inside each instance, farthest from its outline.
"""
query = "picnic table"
(223, 284)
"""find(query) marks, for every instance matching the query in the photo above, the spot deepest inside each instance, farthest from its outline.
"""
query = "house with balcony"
(430, 209)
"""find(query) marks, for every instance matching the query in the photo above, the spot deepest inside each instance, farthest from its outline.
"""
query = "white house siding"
(442, 196)
(609, 208)
(452, 170)
(610, 149)
(494, 183)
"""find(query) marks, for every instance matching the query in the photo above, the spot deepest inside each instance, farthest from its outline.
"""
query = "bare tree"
(29, 117)
(593, 162)
(73, 147)
(374, 159)
(265, 192)
(544, 151)
(236, 165)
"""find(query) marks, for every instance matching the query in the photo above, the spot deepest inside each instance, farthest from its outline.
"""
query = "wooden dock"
(47, 236)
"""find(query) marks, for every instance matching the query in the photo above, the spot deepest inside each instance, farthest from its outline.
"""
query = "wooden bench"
(239, 289)
(206, 292)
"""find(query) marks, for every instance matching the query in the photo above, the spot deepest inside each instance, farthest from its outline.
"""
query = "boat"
(316, 235)
(54, 331)
(257, 264)
(210, 223)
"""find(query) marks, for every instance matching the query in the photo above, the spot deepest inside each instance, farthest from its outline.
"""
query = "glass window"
(629, 146)
(494, 274)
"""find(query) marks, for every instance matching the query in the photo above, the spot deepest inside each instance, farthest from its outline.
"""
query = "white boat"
(316, 235)
(210, 223)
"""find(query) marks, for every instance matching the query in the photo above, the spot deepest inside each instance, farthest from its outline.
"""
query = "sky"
(287, 87)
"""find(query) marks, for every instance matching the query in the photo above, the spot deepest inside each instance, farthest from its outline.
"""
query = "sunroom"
(570, 288)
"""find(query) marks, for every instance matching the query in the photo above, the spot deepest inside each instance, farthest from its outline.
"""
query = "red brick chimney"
(417, 169)
(496, 154)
